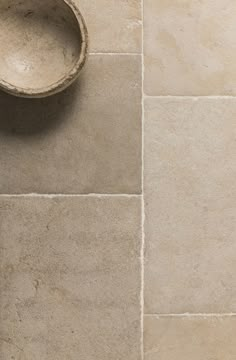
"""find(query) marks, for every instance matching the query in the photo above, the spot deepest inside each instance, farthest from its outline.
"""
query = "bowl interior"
(40, 42)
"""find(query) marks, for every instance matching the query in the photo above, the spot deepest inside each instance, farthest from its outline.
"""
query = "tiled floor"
(70, 205)
(190, 47)
(189, 172)
(190, 337)
(70, 278)
(115, 26)
(84, 140)
(190, 208)
(118, 196)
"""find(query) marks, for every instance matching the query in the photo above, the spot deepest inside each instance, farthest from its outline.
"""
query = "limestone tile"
(185, 338)
(190, 199)
(114, 25)
(85, 140)
(70, 278)
(190, 47)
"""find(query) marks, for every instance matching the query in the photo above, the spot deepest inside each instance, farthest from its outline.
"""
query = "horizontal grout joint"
(191, 315)
(115, 54)
(50, 196)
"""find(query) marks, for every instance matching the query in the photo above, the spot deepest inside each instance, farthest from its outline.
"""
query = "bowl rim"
(66, 80)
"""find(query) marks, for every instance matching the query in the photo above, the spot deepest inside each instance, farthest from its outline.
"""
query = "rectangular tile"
(70, 278)
(186, 338)
(190, 197)
(114, 25)
(190, 47)
(84, 140)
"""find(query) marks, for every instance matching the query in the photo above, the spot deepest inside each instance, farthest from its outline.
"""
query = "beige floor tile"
(190, 338)
(84, 140)
(114, 25)
(190, 197)
(70, 278)
(190, 47)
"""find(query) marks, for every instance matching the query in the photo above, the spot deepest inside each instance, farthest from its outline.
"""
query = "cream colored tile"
(114, 25)
(70, 278)
(190, 47)
(190, 197)
(190, 338)
(84, 140)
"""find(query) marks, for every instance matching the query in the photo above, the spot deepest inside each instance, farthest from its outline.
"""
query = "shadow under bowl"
(43, 46)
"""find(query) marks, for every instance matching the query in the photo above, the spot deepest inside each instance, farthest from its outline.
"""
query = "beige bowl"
(43, 46)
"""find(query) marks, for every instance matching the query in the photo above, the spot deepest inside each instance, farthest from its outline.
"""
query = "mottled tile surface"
(190, 338)
(190, 47)
(114, 25)
(70, 278)
(190, 199)
(85, 140)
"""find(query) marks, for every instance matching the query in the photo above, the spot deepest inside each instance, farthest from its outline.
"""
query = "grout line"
(114, 54)
(194, 97)
(143, 209)
(192, 315)
(51, 196)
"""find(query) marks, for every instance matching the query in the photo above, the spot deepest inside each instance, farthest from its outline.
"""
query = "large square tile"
(190, 47)
(190, 338)
(190, 199)
(70, 278)
(85, 140)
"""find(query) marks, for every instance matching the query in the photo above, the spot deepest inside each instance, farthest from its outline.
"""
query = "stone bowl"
(43, 46)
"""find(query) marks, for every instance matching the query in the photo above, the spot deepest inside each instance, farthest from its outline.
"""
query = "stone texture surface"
(70, 278)
(84, 140)
(114, 25)
(190, 47)
(190, 338)
(190, 198)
